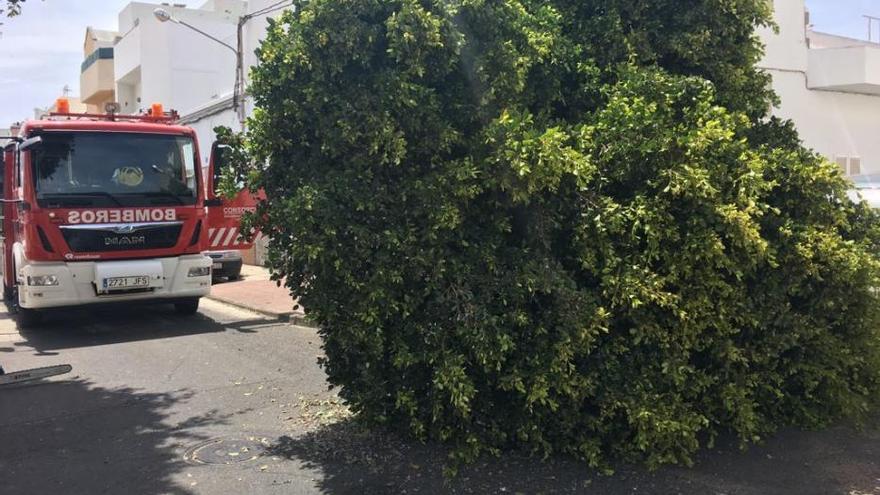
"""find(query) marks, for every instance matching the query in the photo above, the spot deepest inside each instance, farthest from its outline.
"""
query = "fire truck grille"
(121, 237)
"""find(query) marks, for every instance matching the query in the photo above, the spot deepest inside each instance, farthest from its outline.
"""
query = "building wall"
(204, 127)
(97, 82)
(97, 85)
(787, 49)
(837, 124)
(823, 40)
(253, 33)
(171, 64)
(834, 124)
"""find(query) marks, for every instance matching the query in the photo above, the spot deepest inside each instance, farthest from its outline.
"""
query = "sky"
(41, 50)
(844, 17)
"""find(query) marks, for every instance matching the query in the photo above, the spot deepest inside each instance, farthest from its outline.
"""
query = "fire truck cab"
(225, 241)
(103, 208)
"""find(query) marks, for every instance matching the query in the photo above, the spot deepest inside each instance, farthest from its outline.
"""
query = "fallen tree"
(565, 226)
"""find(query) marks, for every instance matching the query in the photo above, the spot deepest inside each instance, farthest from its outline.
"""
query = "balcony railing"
(99, 54)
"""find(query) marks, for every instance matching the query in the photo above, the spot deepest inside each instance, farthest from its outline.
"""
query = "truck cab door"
(224, 214)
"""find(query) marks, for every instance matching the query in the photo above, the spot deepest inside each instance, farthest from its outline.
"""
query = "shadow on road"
(112, 325)
(73, 437)
(840, 460)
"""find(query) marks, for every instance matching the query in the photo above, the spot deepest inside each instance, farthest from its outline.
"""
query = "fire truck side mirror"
(217, 151)
(30, 143)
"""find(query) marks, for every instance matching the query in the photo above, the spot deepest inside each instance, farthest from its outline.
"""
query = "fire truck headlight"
(199, 271)
(42, 280)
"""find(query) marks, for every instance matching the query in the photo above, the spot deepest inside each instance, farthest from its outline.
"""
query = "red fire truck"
(103, 208)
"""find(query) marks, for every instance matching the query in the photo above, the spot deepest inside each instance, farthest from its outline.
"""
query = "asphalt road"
(230, 402)
(148, 386)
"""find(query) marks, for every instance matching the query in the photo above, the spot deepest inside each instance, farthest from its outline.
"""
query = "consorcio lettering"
(128, 215)
(237, 211)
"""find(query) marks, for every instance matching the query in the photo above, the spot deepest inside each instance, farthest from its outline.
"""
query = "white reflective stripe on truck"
(223, 236)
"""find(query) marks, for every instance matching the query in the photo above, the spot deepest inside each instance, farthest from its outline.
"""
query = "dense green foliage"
(564, 225)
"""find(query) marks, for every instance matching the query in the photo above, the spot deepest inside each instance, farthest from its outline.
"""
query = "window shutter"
(855, 165)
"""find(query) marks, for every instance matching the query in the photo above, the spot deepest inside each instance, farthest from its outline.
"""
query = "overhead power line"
(271, 8)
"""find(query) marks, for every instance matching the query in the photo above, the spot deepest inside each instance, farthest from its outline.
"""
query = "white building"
(829, 86)
(156, 62)
(219, 111)
(97, 87)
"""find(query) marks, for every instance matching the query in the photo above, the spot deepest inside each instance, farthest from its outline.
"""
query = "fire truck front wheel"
(187, 306)
(27, 318)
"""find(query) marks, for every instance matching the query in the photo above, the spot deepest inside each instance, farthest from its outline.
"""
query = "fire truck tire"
(28, 318)
(187, 307)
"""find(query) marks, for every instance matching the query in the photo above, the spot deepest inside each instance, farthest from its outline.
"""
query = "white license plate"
(119, 283)
(218, 266)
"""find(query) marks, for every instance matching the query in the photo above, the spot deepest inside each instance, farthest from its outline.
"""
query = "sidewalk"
(254, 291)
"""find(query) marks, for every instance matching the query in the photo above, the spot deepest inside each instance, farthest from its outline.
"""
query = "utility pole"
(871, 20)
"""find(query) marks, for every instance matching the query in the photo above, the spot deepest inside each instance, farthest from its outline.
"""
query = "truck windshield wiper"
(87, 194)
(163, 194)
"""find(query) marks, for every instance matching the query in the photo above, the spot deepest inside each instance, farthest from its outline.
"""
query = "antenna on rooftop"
(65, 90)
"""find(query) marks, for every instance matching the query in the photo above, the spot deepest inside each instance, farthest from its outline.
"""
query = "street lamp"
(163, 15)
(238, 91)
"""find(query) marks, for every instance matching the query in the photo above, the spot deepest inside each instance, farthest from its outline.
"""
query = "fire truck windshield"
(81, 169)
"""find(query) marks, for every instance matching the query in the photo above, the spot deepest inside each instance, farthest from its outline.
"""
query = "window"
(18, 171)
(218, 166)
(114, 169)
(221, 168)
(855, 165)
(849, 165)
(99, 54)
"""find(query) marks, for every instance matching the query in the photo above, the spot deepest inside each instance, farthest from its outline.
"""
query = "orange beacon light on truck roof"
(62, 105)
(156, 110)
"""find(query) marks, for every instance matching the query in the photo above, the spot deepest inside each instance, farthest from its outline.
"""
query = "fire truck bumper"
(50, 285)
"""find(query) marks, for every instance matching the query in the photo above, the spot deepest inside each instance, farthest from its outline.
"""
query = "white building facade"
(164, 62)
(219, 111)
(829, 86)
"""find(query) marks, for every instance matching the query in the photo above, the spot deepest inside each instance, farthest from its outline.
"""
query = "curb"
(288, 317)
